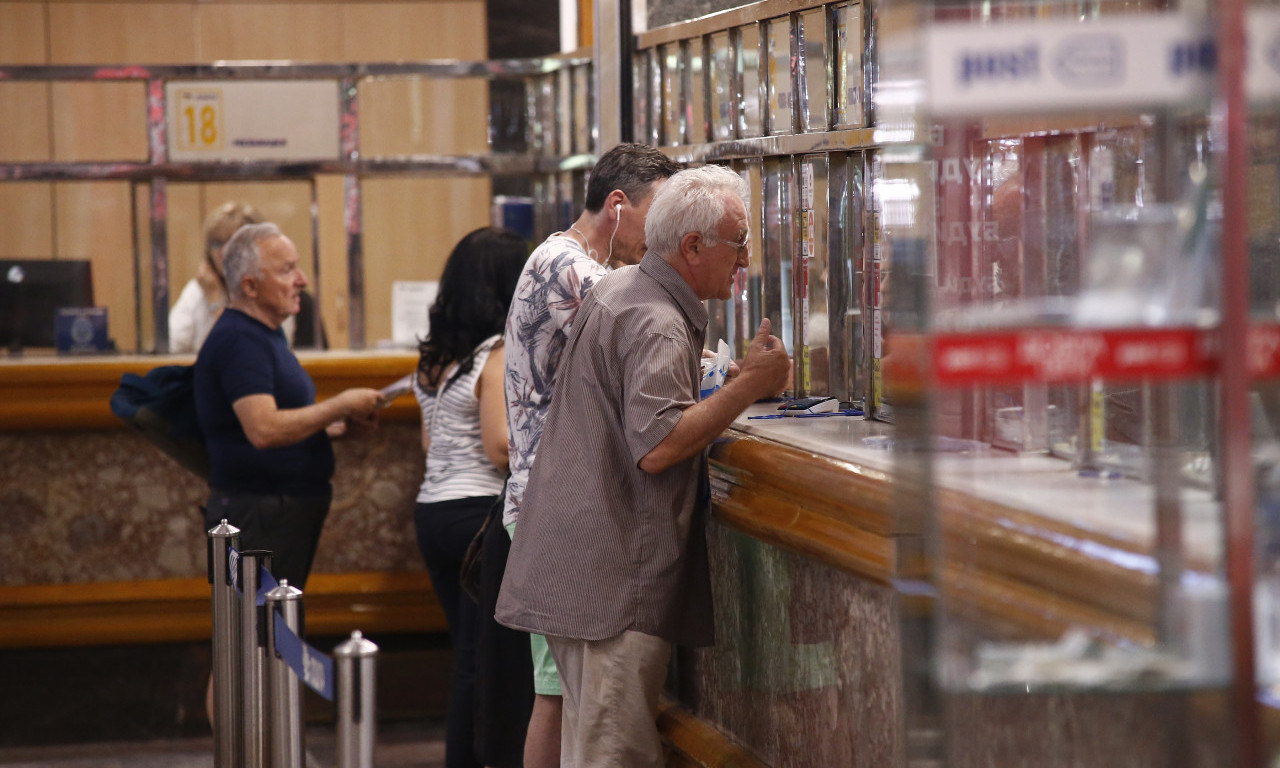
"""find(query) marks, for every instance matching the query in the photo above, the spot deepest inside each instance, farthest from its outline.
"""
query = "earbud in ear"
(618, 207)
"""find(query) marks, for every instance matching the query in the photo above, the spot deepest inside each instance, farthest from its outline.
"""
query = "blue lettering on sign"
(1000, 65)
(1090, 60)
(1191, 57)
(312, 669)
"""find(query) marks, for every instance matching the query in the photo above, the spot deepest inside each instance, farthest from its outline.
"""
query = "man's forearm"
(700, 424)
(267, 426)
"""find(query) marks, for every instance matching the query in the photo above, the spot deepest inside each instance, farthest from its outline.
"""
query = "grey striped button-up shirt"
(602, 546)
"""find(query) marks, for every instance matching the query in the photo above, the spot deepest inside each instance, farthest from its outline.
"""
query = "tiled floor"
(400, 745)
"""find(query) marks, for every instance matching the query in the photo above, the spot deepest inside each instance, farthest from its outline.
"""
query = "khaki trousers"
(611, 690)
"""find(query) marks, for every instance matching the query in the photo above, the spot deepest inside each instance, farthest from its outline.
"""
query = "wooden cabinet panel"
(404, 116)
(290, 31)
(26, 220)
(93, 223)
(121, 33)
(185, 233)
(22, 33)
(24, 122)
(286, 203)
(142, 226)
(410, 226)
(332, 296)
(99, 121)
(413, 31)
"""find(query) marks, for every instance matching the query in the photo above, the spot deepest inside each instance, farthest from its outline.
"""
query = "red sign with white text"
(1075, 355)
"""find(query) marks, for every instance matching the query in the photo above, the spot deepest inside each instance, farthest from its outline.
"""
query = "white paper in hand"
(715, 369)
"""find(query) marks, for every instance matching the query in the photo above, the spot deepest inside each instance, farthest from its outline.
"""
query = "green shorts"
(546, 679)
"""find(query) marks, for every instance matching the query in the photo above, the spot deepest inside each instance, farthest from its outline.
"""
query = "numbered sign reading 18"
(221, 121)
(198, 119)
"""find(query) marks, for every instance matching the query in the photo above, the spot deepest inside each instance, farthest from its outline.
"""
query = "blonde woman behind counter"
(205, 296)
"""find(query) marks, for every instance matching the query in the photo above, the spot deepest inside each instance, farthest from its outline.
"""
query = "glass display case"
(1012, 260)
(1050, 194)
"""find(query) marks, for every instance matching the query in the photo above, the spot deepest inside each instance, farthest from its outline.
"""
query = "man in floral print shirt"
(610, 232)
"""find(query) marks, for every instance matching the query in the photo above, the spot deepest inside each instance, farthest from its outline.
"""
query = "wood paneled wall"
(410, 224)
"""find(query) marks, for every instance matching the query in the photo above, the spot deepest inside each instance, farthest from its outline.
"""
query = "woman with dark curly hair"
(464, 435)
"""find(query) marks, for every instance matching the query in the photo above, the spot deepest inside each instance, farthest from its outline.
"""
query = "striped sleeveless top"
(456, 465)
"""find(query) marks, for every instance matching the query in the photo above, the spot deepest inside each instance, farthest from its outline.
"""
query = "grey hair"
(241, 256)
(693, 200)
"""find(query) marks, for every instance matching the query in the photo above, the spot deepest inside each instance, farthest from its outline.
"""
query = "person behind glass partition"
(458, 386)
(205, 296)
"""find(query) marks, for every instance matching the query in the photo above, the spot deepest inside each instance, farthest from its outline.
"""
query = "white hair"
(240, 256)
(693, 200)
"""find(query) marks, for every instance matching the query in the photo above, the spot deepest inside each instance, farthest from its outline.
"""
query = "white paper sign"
(410, 301)
(1119, 62)
(271, 120)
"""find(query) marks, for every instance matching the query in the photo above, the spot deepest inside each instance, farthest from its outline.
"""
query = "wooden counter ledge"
(72, 393)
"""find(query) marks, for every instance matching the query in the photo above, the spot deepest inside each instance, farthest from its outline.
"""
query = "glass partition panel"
(847, 72)
(780, 80)
(673, 117)
(813, 68)
(542, 101)
(749, 82)
(779, 246)
(846, 327)
(642, 96)
(584, 123)
(562, 117)
(813, 272)
(718, 313)
(656, 90)
(878, 269)
(695, 89)
(749, 284)
(721, 79)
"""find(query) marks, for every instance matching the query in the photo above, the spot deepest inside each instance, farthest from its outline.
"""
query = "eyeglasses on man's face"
(739, 247)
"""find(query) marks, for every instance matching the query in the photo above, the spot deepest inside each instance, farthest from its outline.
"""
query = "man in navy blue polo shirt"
(270, 461)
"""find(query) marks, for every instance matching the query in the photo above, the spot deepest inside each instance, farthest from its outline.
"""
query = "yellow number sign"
(198, 115)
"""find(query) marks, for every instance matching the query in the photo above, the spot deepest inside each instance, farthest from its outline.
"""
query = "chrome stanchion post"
(252, 659)
(287, 748)
(356, 678)
(226, 648)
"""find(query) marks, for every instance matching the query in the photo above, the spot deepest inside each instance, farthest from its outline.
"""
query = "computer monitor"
(31, 293)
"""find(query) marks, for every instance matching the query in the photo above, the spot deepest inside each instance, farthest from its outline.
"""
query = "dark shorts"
(288, 526)
(504, 668)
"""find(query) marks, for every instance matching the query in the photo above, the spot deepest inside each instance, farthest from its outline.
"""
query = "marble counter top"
(1027, 541)
(1115, 508)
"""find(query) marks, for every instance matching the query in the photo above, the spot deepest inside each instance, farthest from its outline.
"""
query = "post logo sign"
(263, 120)
(1262, 62)
(1126, 61)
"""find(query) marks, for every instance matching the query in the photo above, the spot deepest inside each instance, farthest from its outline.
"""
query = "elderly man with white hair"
(611, 561)
(270, 461)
